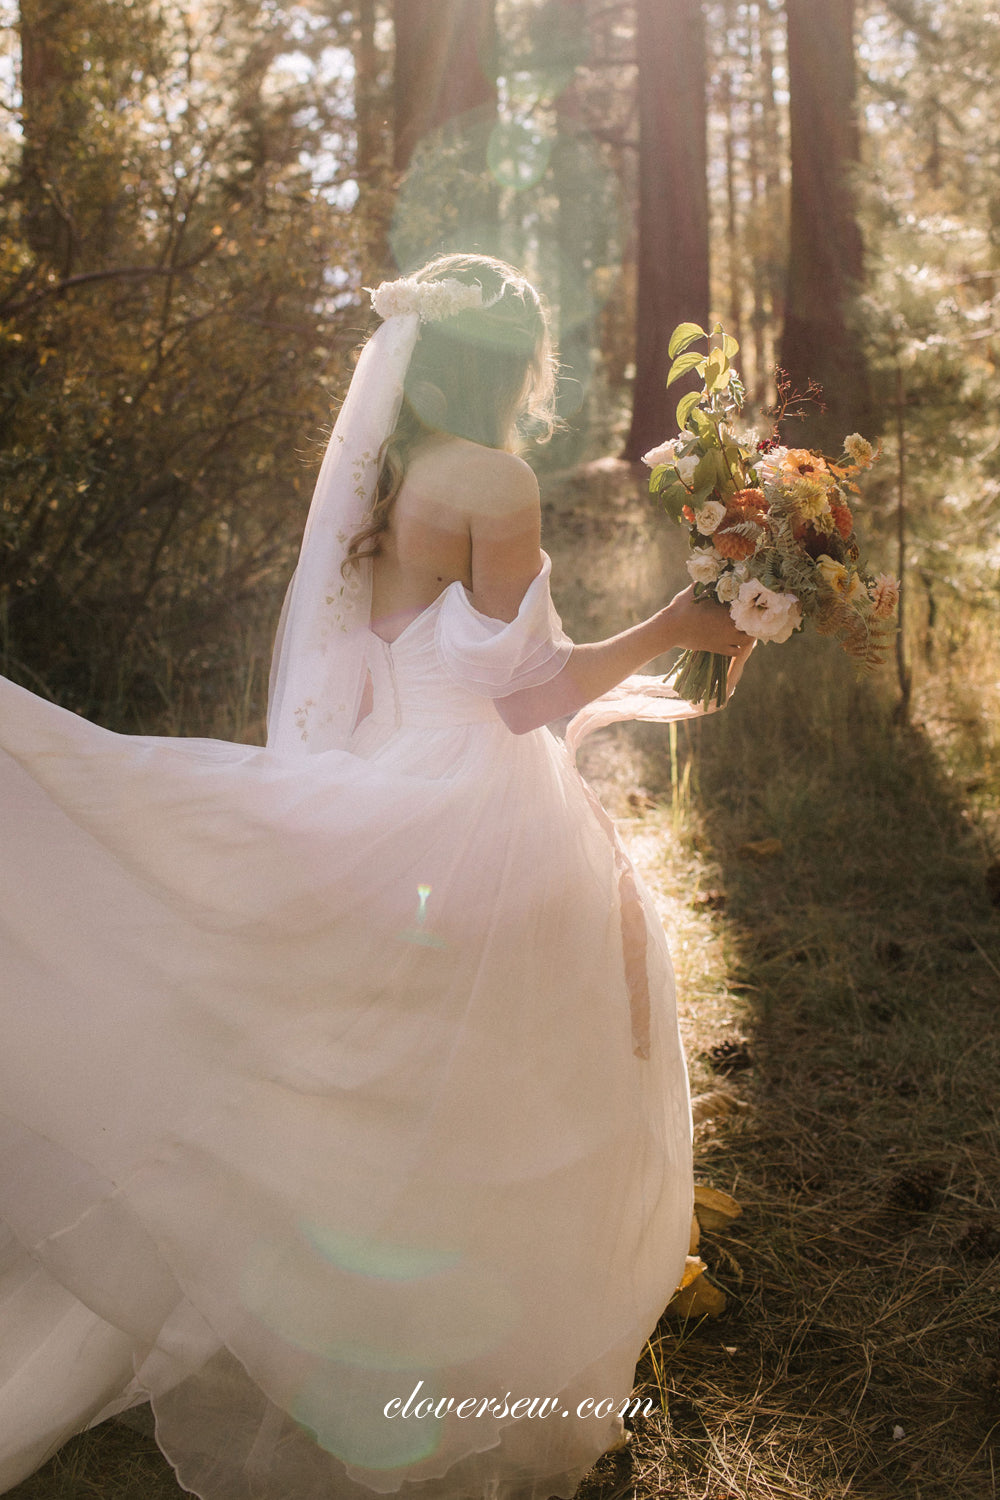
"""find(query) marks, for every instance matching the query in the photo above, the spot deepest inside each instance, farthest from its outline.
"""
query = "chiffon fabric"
(327, 1078)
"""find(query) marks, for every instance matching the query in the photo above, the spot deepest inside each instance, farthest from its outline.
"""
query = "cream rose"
(764, 614)
(664, 454)
(709, 517)
(704, 566)
(728, 587)
(686, 468)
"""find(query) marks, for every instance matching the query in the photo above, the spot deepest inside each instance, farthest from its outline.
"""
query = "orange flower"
(842, 518)
(744, 505)
(687, 512)
(750, 501)
(802, 461)
(732, 544)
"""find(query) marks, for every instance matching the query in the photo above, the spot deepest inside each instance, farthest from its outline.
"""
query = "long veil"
(317, 669)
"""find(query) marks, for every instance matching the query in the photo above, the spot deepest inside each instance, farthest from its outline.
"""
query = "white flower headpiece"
(431, 300)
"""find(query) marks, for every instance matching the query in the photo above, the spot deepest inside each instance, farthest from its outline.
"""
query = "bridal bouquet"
(771, 528)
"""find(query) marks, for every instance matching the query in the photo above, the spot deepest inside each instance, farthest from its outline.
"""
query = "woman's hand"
(702, 625)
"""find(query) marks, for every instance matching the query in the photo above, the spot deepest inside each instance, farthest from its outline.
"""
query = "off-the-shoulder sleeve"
(492, 657)
(651, 699)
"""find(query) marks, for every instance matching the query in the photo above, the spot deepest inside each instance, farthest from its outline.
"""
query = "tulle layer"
(319, 1086)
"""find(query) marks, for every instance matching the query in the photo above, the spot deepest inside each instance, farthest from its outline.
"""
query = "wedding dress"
(340, 1079)
(331, 1077)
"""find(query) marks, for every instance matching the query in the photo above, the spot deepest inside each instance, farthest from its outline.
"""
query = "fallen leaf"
(713, 1209)
(696, 1297)
(695, 1237)
(714, 1105)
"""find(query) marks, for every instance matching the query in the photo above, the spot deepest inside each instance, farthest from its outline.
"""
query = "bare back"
(464, 513)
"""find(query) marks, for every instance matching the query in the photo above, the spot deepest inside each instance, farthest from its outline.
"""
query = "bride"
(343, 1115)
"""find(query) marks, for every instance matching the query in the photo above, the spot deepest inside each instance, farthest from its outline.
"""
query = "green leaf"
(656, 475)
(683, 335)
(704, 426)
(674, 498)
(701, 493)
(730, 346)
(715, 368)
(706, 472)
(687, 409)
(683, 363)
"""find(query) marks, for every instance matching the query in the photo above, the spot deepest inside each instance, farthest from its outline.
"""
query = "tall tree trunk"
(574, 234)
(445, 51)
(366, 98)
(373, 145)
(445, 113)
(50, 65)
(673, 205)
(734, 237)
(825, 252)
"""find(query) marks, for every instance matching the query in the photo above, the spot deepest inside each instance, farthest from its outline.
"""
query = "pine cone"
(915, 1192)
(730, 1056)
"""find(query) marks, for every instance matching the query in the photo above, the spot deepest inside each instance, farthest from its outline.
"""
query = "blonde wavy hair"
(486, 374)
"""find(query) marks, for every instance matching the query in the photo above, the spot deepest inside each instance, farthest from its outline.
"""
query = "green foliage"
(176, 310)
(932, 222)
(683, 335)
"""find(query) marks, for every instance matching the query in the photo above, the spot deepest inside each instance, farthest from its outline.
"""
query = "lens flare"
(419, 933)
(387, 1307)
(518, 154)
(344, 1410)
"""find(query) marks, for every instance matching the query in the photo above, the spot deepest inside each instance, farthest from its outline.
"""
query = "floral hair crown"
(430, 300)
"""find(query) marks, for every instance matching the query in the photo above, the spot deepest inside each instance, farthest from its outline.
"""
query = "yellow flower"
(808, 494)
(847, 584)
(801, 462)
(859, 450)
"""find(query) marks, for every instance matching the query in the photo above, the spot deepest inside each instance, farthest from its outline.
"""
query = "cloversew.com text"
(507, 1407)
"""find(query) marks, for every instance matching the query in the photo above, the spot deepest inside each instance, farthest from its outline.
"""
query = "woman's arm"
(597, 667)
(506, 557)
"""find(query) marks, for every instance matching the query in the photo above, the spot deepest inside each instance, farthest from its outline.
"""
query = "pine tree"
(673, 268)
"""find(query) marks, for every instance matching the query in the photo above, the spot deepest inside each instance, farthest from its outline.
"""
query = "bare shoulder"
(503, 482)
(481, 482)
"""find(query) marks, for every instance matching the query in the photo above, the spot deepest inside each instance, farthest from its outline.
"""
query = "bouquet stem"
(700, 677)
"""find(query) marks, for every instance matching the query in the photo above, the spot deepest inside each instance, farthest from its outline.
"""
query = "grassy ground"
(823, 874)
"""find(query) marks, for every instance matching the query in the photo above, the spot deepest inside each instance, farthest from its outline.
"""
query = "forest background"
(195, 193)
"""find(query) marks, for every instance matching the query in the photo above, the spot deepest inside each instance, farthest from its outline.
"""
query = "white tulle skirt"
(320, 1089)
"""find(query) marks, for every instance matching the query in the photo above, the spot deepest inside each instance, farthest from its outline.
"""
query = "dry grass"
(855, 977)
(850, 985)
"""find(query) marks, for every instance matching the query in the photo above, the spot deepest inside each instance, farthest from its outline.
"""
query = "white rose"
(686, 468)
(664, 454)
(704, 566)
(727, 587)
(762, 613)
(709, 517)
